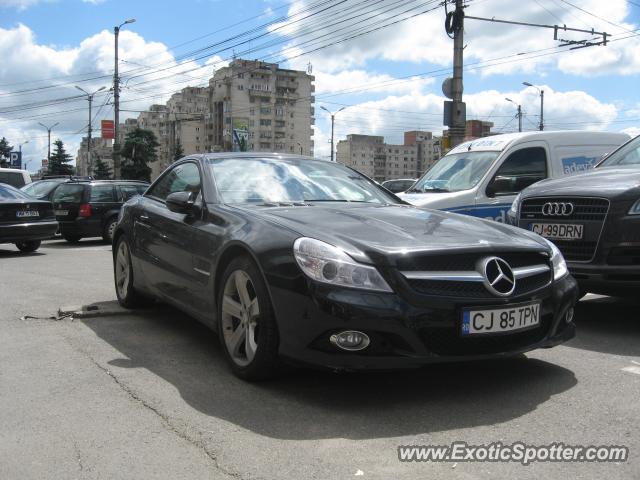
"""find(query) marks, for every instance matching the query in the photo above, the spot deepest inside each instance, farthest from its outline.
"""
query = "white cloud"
(422, 39)
(345, 80)
(393, 115)
(632, 131)
(19, 4)
(26, 64)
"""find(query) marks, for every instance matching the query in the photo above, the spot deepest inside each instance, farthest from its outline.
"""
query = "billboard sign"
(108, 129)
(240, 134)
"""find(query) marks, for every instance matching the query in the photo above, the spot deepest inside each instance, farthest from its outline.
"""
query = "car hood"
(603, 182)
(375, 232)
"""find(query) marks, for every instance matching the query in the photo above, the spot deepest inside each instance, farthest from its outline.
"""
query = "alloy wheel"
(240, 318)
(123, 274)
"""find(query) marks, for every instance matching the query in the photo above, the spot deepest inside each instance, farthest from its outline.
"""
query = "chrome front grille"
(531, 271)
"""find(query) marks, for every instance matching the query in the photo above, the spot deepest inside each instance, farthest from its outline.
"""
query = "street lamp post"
(527, 84)
(48, 129)
(519, 114)
(89, 128)
(20, 150)
(333, 116)
(116, 101)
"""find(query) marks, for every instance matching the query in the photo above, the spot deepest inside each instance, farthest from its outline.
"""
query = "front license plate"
(27, 213)
(558, 231)
(61, 213)
(497, 320)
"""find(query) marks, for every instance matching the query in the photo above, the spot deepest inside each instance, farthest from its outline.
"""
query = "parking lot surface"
(148, 395)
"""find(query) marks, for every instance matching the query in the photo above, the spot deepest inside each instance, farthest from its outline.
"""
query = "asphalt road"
(148, 395)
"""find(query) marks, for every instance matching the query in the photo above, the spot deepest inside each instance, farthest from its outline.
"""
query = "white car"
(14, 177)
(482, 177)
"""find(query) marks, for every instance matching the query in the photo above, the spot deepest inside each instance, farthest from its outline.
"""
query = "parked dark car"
(291, 258)
(399, 185)
(90, 208)
(24, 220)
(594, 218)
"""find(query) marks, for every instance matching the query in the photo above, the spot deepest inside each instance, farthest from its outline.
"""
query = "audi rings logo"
(557, 209)
(498, 276)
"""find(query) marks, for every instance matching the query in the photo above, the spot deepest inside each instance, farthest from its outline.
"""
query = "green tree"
(138, 151)
(5, 150)
(178, 152)
(101, 170)
(59, 161)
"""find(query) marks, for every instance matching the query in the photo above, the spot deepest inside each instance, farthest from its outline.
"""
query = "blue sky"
(595, 88)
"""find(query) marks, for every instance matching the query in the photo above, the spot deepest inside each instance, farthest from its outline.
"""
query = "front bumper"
(406, 334)
(20, 232)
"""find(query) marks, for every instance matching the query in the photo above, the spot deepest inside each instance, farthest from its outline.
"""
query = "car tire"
(28, 246)
(71, 238)
(127, 295)
(247, 327)
(109, 229)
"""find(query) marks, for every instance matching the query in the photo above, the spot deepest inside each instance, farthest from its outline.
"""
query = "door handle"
(144, 217)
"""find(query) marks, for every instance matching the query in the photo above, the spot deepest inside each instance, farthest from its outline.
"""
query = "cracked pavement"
(148, 395)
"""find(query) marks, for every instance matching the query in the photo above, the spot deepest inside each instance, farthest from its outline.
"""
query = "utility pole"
(455, 114)
(89, 128)
(48, 129)
(116, 101)
(333, 117)
(519, 114)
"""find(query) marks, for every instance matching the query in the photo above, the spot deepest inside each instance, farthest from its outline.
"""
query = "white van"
(482, 177)
(14, 177)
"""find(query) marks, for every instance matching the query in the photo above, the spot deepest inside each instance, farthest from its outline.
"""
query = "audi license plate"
(61, 213)
(558, 231)
(27, 213)
(497, 320)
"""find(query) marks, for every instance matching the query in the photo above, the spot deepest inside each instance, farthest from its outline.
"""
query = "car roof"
(504, 140)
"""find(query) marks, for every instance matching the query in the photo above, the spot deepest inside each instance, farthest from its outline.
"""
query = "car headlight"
(328, 264)
(557, 261)
(635, 208)
(515, 206)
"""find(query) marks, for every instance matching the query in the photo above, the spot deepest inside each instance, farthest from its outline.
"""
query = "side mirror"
(500, 186)
(180, 202)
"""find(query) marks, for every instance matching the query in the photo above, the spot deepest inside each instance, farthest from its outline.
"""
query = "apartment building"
(258, 106)
(381, 161)
(100, 149)
(247, 106)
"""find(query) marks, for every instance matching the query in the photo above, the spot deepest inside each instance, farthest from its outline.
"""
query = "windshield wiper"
(335, 200)
(428, 190)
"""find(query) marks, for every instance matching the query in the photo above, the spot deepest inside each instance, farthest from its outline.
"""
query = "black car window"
(7, 192)
(521, 169)
(182, 178)
(101, 194)
(68, 193)
(130, 191)
(15, 179)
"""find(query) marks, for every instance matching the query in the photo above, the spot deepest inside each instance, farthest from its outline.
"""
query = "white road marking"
(635, 370)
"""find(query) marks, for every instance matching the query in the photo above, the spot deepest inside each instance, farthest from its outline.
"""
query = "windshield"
(455, 172)
(7, 192)
(40, 189)
(629, 154)
(258, 180)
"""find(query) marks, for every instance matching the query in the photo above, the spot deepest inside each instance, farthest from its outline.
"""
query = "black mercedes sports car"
(291, 258)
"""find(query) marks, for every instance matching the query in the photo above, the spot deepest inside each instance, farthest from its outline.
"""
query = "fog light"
(350, 340)
(569, 315)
